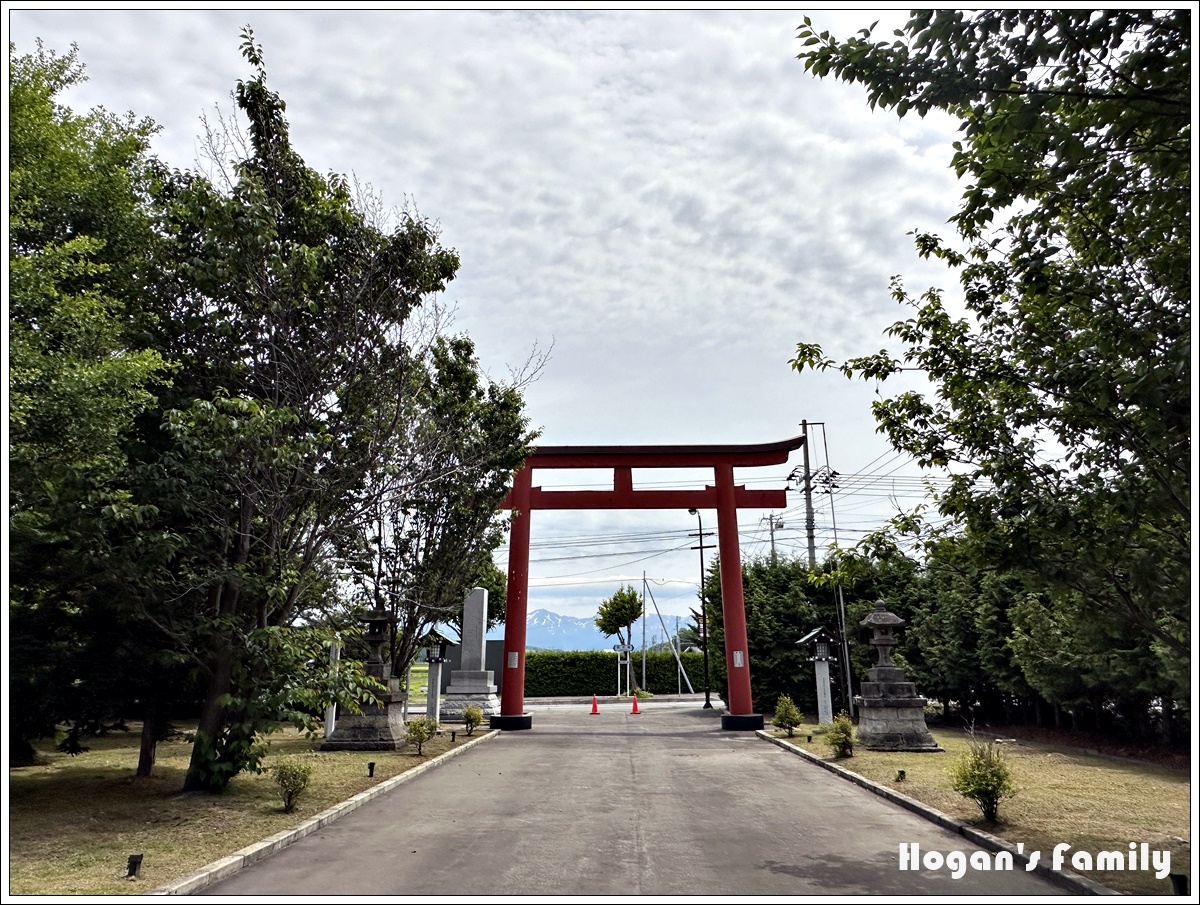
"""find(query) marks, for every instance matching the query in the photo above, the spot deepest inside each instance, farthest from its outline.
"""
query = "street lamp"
(703, 608)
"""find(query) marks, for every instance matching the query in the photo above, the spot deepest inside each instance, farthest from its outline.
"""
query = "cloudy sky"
(664, 200)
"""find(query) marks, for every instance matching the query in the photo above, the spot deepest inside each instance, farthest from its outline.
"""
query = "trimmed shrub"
(291, 774)
(787, 715)
(472, 717)
(840, 735)
(420, 731)
(982, 775)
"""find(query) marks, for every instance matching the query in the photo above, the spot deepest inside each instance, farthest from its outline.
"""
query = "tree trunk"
(149, 741)
(212, 716)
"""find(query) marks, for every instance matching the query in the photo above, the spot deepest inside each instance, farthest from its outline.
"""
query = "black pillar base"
(741, 722)
(524, 721)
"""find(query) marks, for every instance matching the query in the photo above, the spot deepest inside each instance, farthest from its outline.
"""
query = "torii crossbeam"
(723, 495)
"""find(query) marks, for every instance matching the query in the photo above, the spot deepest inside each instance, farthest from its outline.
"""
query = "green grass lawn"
(74, 822)
(1063, 795)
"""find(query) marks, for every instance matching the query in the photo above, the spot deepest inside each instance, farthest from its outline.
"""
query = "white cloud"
(667, 196)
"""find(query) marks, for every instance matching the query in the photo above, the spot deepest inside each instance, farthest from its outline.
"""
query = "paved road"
(661, 803)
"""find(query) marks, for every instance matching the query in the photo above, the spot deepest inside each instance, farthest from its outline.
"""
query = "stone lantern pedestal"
(891, 714)
(380, 727)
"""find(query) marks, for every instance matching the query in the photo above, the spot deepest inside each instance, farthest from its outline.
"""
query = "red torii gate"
(725, 497)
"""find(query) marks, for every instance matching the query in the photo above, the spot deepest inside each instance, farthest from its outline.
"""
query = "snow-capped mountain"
(556, 632)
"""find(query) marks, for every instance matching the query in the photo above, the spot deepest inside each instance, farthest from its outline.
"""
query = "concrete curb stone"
(225, 867)
(1068, 879)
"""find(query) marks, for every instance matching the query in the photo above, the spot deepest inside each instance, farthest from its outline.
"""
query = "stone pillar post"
(472, 684)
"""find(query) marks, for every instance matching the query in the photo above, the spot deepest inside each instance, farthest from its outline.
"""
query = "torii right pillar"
(740, 715)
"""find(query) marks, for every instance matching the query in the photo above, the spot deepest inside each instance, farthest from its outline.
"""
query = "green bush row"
(551, 673)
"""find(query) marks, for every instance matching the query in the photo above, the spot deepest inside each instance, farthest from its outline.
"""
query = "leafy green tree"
(209, 522)
(306, 339)
(78, 228)
(431, 540)
(1062, 395)
(959, 640)
(80, 232)
(784, 601)
(618, 613)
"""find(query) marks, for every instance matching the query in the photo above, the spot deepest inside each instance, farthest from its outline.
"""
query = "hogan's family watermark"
(1138, 856)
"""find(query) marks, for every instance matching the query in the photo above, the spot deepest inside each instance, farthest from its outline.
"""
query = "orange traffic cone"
(595, 709)
(635, 710)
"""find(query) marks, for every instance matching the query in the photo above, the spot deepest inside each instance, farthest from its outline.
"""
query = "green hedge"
(551, 673)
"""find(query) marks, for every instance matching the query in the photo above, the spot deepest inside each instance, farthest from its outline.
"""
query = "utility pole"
(810, 522)
(829, 478)
(700, 535)
(643, 629)
(770, 519)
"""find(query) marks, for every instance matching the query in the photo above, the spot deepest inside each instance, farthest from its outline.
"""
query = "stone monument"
(891, 714)
(380, 727)
(472, 684)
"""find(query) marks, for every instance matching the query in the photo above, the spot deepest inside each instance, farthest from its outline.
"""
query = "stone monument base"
(378, 729)
(467, 687)
(891, 715)
(455, 705)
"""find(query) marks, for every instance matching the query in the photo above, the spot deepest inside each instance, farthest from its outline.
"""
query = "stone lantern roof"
(882, 618)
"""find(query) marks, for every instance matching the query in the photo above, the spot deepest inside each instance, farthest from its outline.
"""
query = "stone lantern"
(891, 713)
(821, 640)
(380, 727)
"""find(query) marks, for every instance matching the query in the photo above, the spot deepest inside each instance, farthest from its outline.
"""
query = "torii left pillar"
(724, 496)
(516, 608)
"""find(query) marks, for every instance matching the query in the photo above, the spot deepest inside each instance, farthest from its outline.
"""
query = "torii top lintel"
(623, 459)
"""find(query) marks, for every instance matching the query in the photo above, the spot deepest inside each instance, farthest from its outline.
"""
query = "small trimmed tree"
(619, 612)
(472, 717)
(787, 715)
(616, 616)
(420, 731)
(291, 774)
